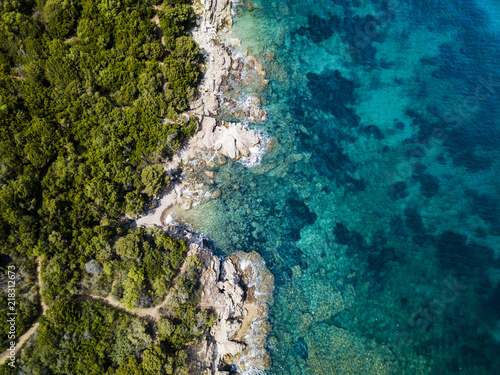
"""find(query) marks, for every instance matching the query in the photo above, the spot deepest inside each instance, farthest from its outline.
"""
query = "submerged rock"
(334, 93)
(298, 215)
(300, 348)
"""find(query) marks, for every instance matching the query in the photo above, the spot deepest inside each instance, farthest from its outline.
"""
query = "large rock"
(238, 289)
(218, 12)
(234, 140)
(225, 138)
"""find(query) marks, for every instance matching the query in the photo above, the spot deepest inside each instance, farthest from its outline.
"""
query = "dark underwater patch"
(387, 64)
(398, 190)
(398, 227)
(450, 13)
(463, 259)
(300, 349)
(451, 65)
(492, 303)
(471, 143)
(379, 258)
(297, 216)
(377, 255)
(372, 130)
(352, 238)
(414, 222)
(429, 184)
(358, 32)
(282, 275)
(352, 184)
(471, 161)
(329, 160)
(319, 28)
(333, 93)
(473, 357)
(485, 206)
(399, 124)
(425, 128)
(475, 145)
(292, 255)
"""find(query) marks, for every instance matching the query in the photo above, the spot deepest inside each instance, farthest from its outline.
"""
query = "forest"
(91, 96)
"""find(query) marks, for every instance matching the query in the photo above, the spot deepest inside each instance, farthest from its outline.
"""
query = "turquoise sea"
(377, 205)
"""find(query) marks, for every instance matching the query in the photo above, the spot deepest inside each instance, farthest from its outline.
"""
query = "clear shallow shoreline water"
(377, 208)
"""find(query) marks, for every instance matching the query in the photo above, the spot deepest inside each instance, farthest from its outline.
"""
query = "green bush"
(61, 16)
(149, 262)
(154, 178)
(186, 49)
(175, 20)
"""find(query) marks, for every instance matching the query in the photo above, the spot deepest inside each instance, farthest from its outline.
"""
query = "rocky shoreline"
(215, 140)
(237, 289)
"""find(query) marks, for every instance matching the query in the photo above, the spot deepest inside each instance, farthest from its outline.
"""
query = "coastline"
(215, 140)
(239, 288)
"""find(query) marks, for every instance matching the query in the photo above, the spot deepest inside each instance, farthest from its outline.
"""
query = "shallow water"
(377, 206)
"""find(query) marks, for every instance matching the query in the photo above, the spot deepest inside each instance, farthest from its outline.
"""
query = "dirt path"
(150, 314)
(21, 340)
(159, 31)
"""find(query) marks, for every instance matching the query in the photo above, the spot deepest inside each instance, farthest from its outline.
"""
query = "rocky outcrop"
(238, 289)
(221, 64)
(218, 13)
(213, 15)
(229, 139)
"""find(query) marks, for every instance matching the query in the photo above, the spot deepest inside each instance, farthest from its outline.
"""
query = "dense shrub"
(84, 86)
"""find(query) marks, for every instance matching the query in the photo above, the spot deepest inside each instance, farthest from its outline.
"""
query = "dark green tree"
(61, 17)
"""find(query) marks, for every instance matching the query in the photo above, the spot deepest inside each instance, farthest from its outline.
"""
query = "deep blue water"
(377, 208)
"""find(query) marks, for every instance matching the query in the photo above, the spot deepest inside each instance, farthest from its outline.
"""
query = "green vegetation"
(82, 139)
(148, 262)
(88, 338)
(60, 17)
(84, 88)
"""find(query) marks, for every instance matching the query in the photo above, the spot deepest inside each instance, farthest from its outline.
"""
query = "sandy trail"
(21, 340)
(150, 314)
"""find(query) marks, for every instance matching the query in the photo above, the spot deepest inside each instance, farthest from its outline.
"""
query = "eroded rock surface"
(239, 290)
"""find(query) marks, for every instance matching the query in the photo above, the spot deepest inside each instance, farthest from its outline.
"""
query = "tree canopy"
(84, 89)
